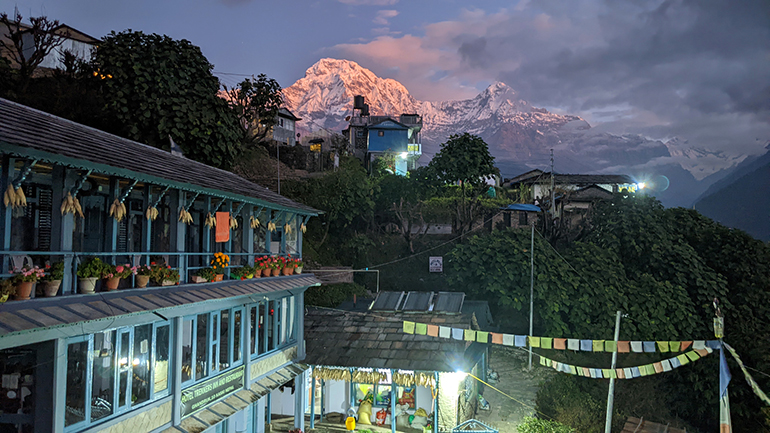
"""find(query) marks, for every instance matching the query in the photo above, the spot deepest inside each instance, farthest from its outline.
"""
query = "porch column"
(312, 398)
(59, 384)
(178, 232)
(299, 328)
(268, 233)
(435, 404)
(147, 226)
(393, 397)
(176, 371)
(9, 172)
(246, 329)
(111, 222)
(247, 233)
(260, 415)
(300, 400)
(206, 229)
(62, 226)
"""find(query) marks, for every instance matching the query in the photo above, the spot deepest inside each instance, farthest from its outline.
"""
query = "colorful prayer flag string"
(749, 379)
(624, 373)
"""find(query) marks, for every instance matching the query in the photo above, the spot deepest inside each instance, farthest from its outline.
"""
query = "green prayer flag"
(573, 369)
(651, 369)
(546, 343)
(682, 359)
(470, 335)
(693, 355)
(643, 370)
(534, 341)
(606, 373)
(542, 360)
(613, 374)
(408, 327)
(598, 345)
(663, 346)
(549, 362)
(421, 329)
(610, 346)
(674, 345)
(482, 337)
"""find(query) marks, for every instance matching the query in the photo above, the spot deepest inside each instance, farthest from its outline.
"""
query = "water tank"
(365, 110)
(358, 102)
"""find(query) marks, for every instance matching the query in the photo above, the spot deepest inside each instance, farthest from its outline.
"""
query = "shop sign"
(436, 264)
(205, 393)
(223, 227)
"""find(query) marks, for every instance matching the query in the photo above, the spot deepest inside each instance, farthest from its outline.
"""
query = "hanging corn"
(71, 205)
(211, 222)
(253, 222)
(233, 223)
(185, 216)
(303, 227)
(151, 213)
(118, 210)
(287, 228)
(14, 197)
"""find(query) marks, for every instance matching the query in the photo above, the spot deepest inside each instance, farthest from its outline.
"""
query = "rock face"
(519, 136)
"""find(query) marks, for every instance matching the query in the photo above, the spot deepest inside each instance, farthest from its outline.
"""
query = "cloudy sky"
(697, 69)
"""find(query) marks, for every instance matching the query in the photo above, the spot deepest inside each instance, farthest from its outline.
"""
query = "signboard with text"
(436, 264)
(199, 396)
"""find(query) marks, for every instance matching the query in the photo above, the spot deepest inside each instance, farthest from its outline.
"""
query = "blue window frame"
(211, 344)
(272, 325)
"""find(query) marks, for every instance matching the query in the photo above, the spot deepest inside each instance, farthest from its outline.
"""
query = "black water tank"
(365, 110)
(358, 102)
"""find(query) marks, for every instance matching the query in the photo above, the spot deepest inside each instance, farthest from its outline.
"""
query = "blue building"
(207, 357)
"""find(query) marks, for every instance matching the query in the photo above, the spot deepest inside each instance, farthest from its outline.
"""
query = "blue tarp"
(524, 207)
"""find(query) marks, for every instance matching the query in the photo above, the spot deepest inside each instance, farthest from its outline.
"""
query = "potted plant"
(203, 275)
(263, 265)
(121, 272)
(276, 264)
(50, 283)
(297, 266)
(143, 274)
(6, 290)
(111, 280)
(166, 276)
(88, 272)
(24, 279)
(287, 265)
(219, 263)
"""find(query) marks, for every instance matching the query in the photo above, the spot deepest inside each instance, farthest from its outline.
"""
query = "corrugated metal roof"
(28, 315)
(387, 301)
(33, 129)
(418, 301)
(449, 302)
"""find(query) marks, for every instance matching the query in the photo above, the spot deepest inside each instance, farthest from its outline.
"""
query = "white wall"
(336, 396)
(282, 403)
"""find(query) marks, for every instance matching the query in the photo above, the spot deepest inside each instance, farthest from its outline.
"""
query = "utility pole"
(725, 423)
(278, 157)
(611, 393)
(531, 287)
(553, 202)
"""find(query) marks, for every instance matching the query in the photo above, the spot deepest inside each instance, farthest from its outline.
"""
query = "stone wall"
(144, 421)
(262, 366)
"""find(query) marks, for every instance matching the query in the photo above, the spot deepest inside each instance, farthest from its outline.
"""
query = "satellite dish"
(347, 118)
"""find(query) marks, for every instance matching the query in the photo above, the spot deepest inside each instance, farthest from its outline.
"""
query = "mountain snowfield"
(519, 135)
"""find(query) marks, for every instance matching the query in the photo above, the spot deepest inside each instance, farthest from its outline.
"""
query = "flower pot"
(258, 273)
(50, 288)
(23, 290)
(142, 281)
(267, 272)
(276, 272)
(87, 286)
(218, 277)
(298, 270)
(197, 279)
(287, 271)
(111, 284)
(168, 283)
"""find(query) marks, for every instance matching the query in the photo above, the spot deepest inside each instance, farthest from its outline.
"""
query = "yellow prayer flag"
(693, 355)
(408, 327)
(421, 329)
(663, 346)
(534, 341)
(470, 335)
(598, 345)
(682, 359)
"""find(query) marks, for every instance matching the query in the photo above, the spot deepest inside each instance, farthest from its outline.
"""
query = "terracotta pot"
(111, 284)
(50, 288)
(23, 290)
(168, 283)
(298, 270)
(198, 279)
(287, 271)
(257, 273)
(276, 272)
(267, 272)
(142, 281)
(218, 277)
(87, 286)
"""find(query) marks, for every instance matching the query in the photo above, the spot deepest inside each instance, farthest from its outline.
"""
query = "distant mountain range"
(519, 136)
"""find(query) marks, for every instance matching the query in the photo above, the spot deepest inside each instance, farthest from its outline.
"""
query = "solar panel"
(418, 301)
(449, 302)
(387, 301)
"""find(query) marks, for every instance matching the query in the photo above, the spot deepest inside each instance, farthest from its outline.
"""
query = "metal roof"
(449, 302)
(29, 133)
(418, 301)
(523, 207)
(387, 301)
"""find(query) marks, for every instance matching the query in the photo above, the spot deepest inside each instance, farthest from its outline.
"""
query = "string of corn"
(118, 210)
(211, 221)
(71, 205)
(151, 213)
(253, 222)
(14, 197)
(185, 216)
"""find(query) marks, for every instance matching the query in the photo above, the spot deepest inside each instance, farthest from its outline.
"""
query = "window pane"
(103, 382)
(76, 383)
(237, 335)
(262, 325)
(224, 339)
(291, 317)
(253, 329)
(140, 383)
(214, 339)
(162, 340)
(187, 350)
(270, 324)
(202, 344)
(284, 311)
(382, 396)
(124, 367)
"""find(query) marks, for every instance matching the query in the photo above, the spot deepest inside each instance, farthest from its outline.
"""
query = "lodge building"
(207, 357)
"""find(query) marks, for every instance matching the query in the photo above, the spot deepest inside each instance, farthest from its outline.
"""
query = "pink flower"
(119, 269)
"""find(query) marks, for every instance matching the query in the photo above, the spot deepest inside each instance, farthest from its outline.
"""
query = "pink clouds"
(384, 15)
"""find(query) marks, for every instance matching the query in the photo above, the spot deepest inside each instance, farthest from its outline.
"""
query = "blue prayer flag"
(635, 372)
(713, 344)
(587, 345)
(649, 346)
(519, 340)
(724, 374)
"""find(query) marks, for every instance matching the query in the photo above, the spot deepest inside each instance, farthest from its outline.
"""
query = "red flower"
(169, 267)
(152, 263)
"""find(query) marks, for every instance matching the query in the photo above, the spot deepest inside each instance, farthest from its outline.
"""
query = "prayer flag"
(643, 370)
(593, 373)
(628, 373)
(713, 344)
(635, 372)
(685, 345)
(610, 346)
(658, 367)
(675, 362)
(598, 345)
(408, 327)
(556, 365)
(692, 355)
(663, 346)
(683, 360)
(649, 346)
(497, 338)
(546, 343)
(598, 373)
(699, 344)
(666, 365)
(620, 373)
(421, 329)
(624, 347)
(482, 337)
(606, 373)
(507, 339)
(520, 340)
(433, 330)
(704, 352)
(542, 360)
(444, 331)
(470, 335)
(650, 369)
(560, 343)
(457, 334)
(586, 371)
(674, 345)
(534, 341)
(573, 369)
(636, 346)
(573, 344)
(586, 345)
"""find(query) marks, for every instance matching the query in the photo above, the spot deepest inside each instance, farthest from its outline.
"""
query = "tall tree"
(256, 102)
(465, 159)
(25, 56)
(158, 87)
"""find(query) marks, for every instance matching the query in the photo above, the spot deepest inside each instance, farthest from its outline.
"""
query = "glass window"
(237, 327)
(284, 310)
(140, 383)
(382, 395)
(201, 344)
(224, 339)
(187, 350)
(270, 326)
(77, 357)
(103, 379)
(162, 351)
(290, 319)
(124, 367)
(262, 327)
(254, 330)
(214, 339)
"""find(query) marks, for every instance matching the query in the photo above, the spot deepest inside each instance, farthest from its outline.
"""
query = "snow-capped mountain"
(519, 135)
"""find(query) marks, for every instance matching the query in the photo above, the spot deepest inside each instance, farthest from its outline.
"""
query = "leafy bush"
(332, 295)
(91, 268)
(536, 425)
(562, 398)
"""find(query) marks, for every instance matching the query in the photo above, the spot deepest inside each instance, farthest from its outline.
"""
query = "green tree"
(256, 102)
(465, 159)
(158, 87)
(402, 201)
(26, 53)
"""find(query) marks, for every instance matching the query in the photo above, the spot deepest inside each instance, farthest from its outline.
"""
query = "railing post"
(9, 171)
(178, 232)
(112, 223)
(247, 233)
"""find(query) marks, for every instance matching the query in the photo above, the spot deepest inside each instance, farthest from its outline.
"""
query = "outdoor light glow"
(641, 185)
(136, 361)
(404, 155)
(123, 361)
